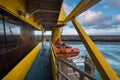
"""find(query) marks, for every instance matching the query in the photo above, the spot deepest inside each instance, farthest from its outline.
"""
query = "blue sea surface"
(110, 50)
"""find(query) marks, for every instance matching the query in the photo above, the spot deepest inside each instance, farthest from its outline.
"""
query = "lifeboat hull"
(66, 55)
(66, 51)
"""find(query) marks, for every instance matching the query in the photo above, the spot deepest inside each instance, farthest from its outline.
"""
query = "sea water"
(110, 50)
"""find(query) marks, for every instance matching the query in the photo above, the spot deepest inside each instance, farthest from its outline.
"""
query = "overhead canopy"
(46, 12)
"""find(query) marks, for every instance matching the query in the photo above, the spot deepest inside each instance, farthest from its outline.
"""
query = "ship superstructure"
(22, 56)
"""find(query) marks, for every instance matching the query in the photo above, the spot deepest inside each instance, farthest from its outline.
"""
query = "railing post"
(81, 77)
(89, 66)
(59, 69)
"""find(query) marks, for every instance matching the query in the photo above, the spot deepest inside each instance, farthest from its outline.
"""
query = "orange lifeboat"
(64, 50)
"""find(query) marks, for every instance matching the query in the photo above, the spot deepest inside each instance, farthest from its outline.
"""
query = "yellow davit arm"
(102, 65)
(81, 7)
(62, 16)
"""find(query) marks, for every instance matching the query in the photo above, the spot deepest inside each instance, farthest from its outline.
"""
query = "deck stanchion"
(55, 34)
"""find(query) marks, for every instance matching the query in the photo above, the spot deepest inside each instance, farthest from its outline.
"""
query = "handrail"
(54, 51)
(82, 74)
(20, 70)
(76, 69)
(54, 63)
(63, 74)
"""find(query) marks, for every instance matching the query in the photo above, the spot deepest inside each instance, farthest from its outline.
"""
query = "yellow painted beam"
(81, 7)
(20, 70)
(54, 67)
(13, 6)
(55, 34)
(107, 73)
(62, 16)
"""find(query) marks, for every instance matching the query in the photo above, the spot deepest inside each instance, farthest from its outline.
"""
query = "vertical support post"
(59, 69)
(107, 73)
(89, 66)
(81, 77)
(55, 34)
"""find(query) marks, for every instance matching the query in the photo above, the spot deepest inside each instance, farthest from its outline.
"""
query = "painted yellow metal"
(81, 7)
(54, 67)
(56, 30)
(20, 70)
(62, 16)
(107, 73)
(15, 6)
(55, 34)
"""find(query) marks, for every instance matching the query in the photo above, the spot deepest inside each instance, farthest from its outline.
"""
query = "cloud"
(110, 31)
(117, 19)
(92, 31)
(70, 24)
(90, 17)
(70, 5)
(69, 31)
(95, 22)
(112, 4)
(67, 8)
(95, 19)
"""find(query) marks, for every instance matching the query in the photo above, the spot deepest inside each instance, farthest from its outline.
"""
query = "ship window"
(18, 33)
(16, 40)
(2, 37)
(38, 35)
(3, 49)
(30, 32)
(12, 28)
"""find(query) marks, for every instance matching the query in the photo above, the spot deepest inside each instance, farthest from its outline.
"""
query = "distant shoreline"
(95, 38)
(97, 43)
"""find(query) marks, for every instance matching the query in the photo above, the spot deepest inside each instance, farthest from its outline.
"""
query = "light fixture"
(27, 15)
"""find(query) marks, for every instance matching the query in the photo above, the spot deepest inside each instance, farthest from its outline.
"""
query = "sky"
(101, 19)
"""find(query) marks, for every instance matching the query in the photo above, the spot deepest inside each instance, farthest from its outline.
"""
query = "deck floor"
(41, 68)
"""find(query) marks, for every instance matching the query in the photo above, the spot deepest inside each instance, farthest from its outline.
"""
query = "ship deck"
(41, 68)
